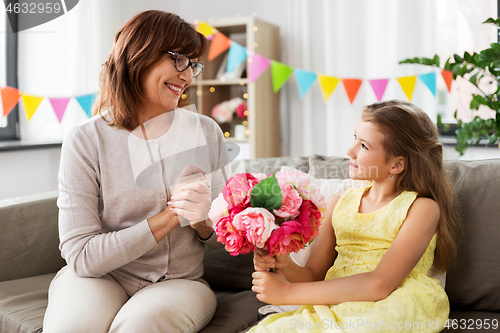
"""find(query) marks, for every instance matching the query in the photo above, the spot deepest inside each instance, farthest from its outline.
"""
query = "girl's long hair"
(141, 42)
(409, 132)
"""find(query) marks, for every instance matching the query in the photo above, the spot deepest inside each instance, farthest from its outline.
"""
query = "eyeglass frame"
(190, 63)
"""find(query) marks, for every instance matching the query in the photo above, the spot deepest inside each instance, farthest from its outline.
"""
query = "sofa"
(30, 258)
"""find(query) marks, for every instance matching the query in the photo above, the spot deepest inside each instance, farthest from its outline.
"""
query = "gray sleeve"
(86, 249)
(221, 165)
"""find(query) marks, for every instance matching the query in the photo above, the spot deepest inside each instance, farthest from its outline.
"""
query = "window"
(8, 74)
(460, 29)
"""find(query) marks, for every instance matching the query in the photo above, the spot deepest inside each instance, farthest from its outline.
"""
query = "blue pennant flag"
(305, 80)
(86, 102)
(430, 81)
(237, 54)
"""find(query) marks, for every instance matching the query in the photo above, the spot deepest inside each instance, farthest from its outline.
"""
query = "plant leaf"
(266, 194)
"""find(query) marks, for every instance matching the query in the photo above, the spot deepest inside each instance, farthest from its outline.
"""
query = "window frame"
(11, 131)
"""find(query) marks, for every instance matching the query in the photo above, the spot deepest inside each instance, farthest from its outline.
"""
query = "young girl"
(369, 268)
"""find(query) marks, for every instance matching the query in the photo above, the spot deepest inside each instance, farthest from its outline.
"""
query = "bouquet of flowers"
(279, 213)
(223, 112)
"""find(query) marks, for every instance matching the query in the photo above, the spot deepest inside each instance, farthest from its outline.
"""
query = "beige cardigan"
(105, 199)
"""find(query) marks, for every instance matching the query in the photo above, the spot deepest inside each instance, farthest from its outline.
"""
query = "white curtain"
(350, 39)
(63, 58)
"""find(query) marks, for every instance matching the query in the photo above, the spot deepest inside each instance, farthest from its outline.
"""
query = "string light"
(245, 123)
(226, 134)
(245, 96)
(242, 82)
(249, 60)
(246, 113)
(198, 92)
(255, 44)
(247, 132)
(255, 28)
(222, 79)
(212, 89)
(184, 96)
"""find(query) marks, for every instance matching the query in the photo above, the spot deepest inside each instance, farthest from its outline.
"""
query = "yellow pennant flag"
(31, 103)
(205, 29)
(408, 84)
(328, 84)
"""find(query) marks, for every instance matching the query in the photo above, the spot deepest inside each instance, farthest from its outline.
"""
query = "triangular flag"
(408, 84)
(31, 103)
(237, 54)
(430, 81)
(378, 87)
(448, 78)
(257, 64)
(328, 84)
(219, 44)
(86, 102)
(10, 97)
(59, 105)
(305, 80)
(205, 29)
(281, 73)
(351, 87)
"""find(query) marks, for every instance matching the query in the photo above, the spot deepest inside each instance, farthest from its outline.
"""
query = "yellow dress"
(419, 304)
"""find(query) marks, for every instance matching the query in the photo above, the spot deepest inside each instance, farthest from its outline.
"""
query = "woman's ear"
(399, 165)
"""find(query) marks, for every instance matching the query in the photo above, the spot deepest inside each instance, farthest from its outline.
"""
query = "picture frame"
(235, 74)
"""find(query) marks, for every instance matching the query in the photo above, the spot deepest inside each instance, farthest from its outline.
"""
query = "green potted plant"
(474, 68)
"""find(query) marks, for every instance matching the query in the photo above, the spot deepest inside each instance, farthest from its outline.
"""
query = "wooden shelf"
(263, 104)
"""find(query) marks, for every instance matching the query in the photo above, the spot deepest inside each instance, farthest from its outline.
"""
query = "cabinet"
(262, 137)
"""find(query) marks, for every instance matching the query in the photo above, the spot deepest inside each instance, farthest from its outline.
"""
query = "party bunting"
(237, 54)
(378, 87)
(351, 87)
(219, 44)
(280, 73)
(205, 29)
(10, 97)
(408, 84)
(448, 78)
(327, 84)
(257, 64)
(31, 103)
(430, 81)
(59, 105)
(86, 102)
(305, 80)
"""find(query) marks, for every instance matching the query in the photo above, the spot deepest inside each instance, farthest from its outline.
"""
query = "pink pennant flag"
(378, 87)
(257, 64)
(59, 105)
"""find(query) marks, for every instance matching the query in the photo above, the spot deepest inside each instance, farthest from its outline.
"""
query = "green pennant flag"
(281, 73)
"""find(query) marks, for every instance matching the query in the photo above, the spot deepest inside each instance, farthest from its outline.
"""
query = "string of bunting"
(11, 96)
(258, 64)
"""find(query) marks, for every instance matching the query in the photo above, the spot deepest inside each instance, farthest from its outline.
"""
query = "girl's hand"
(271, 288)
(263, 261)
(191, 196)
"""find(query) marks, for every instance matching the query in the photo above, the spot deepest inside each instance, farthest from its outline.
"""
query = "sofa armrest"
(29, 238)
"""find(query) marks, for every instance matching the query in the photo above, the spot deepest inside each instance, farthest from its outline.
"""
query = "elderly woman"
(135, 190)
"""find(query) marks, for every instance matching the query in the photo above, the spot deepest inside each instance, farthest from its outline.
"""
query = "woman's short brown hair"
(139, 44)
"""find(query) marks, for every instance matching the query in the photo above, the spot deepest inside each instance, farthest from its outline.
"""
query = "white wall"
(29, 171)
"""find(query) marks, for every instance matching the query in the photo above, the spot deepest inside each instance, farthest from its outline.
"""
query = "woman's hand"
(263, 261)
(192, 198)
(271, 288)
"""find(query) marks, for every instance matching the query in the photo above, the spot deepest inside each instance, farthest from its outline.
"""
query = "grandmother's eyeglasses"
(182, 62)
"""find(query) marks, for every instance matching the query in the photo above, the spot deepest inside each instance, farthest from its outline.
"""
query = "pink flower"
(309, 216)
(290, 201)
(218, 209)
(257, 223)
(222, 113)
(302, 182)
(288, 238)
(235, 241)
(238, 188)
(240, 110)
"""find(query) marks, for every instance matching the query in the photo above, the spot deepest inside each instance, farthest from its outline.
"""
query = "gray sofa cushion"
(473, 321)
(327, 167)
(235, 312)
(29, 245)
(226, 271)
(473, 283)
(23, 303)
(269, 165)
